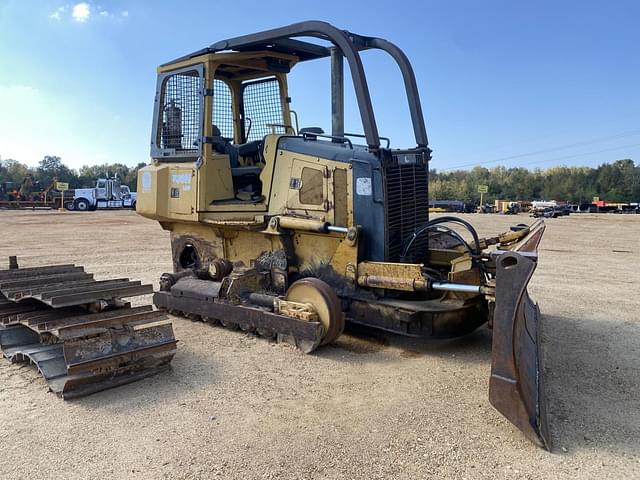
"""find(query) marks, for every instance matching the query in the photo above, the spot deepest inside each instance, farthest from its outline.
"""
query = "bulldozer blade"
(516, 387)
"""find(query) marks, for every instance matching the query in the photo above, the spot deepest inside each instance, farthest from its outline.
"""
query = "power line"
(548, 150)
(519, 141)
(583, 154)
(555, 159)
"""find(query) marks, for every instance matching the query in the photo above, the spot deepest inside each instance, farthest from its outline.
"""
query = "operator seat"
(243, 176)
(223, 145)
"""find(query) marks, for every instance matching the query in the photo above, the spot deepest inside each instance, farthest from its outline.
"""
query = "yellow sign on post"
(482, 189)
(62, 186)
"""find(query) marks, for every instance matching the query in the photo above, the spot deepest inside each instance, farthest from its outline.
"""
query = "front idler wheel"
(325, 303)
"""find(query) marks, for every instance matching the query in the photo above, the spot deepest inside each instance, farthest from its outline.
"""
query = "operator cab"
(224, 112)
(245, 99)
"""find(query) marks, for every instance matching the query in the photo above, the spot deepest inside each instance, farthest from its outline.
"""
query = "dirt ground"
(237, 406)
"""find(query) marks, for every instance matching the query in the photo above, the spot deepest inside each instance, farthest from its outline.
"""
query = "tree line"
(613, 182)
(51, 167)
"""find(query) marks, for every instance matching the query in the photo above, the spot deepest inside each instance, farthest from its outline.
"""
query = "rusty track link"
(79, 332)
(306, 336)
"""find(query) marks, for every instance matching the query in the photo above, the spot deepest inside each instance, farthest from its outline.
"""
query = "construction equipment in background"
(289, 232)
(109, 193)
(25, 191)
(508, 207)
(80, 333)
(51, 191)
(9, 191)
(486, 208)
(28, 195)
(27, 187)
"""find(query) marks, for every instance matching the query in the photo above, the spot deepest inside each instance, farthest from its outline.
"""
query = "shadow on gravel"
(592, 372)
(360, 339)
(591, 369)
(188, 372)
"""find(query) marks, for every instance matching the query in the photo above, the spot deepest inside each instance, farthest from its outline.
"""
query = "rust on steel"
(516, 386)
(79, 332)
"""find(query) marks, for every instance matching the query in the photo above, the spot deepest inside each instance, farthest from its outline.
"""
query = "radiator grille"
(407, 204)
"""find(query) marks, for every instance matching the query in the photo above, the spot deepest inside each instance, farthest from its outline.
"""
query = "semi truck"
(108, 193)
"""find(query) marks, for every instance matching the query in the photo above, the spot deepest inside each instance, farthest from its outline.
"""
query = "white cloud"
(81, 12)
(57, 14)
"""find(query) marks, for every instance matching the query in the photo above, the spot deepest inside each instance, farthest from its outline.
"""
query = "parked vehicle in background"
(542, 204)
(631, 208)
(486, 208)
(108, 193)
(551, 212)
(587, 208)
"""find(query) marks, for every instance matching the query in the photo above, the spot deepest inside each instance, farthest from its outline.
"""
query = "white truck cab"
(108, 193)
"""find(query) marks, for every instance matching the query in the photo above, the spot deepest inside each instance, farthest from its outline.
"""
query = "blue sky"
(509, 83)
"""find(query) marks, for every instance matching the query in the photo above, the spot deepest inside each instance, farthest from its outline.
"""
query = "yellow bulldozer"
(290, 232)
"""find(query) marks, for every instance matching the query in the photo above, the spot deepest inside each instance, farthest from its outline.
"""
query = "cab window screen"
(180, 112)
(262, 106)
(222, 109)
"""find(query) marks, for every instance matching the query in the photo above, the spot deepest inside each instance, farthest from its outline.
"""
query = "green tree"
(51, 167)
(615, 182)
(13, 171)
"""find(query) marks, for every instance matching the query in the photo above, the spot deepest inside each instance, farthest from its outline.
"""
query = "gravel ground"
(368, 407)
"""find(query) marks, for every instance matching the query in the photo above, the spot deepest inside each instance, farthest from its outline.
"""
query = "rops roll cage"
(347, 45)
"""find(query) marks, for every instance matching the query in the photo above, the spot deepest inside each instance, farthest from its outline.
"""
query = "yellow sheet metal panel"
(152, 191)
(294, 187)
(246, 246)
(269, 151)
(215, 182)
(182, 191)
(314, 250)
(212, 242)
